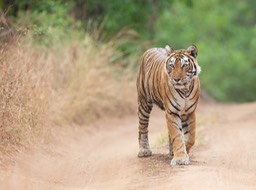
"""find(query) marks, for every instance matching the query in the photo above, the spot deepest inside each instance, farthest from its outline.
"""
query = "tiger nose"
(176, 79)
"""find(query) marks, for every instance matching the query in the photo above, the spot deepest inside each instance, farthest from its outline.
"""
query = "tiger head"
(182, 66)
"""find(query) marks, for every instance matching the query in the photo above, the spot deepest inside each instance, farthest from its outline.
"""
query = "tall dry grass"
(88, 86)
(24, 87)
(73, 84)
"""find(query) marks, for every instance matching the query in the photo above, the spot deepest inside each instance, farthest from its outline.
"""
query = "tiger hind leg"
(143, 114)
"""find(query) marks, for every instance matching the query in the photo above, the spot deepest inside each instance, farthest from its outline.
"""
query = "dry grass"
(88, 86)
(23, 94)
(75, 84)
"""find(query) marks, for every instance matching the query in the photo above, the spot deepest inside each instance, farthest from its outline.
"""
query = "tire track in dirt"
(106, 157)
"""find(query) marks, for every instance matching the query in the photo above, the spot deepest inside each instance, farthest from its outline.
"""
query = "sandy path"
(224, 156)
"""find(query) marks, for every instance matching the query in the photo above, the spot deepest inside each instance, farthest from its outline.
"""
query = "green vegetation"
(225, 34)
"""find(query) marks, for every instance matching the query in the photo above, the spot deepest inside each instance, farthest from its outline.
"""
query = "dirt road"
(105, 157)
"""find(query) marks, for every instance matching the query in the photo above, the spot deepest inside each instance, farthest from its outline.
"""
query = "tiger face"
(182, 67)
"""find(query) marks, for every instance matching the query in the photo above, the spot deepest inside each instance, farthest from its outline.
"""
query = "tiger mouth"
(182, 83)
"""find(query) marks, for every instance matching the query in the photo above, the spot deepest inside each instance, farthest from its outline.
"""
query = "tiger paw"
(180, 161)
(144, 152)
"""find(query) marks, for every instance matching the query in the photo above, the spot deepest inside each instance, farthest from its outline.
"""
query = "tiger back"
(169, 79)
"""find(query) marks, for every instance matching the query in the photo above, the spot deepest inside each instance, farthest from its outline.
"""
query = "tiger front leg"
(170, 146)
(180, 156)
(189, 129)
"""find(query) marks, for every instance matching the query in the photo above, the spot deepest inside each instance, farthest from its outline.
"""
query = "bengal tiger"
(169, 79)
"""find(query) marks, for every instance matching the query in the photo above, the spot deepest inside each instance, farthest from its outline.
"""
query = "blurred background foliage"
(224, 32)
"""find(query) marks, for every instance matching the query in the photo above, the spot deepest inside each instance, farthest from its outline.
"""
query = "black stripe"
(143, 123)
(156, 95)
(194, 95)
(172, 113)
(166, 94)
(140, 133)
(149, 69)
(192, 105)
(180, 93)
(184, 125)
(191, 89)
(143, 87)
(190, 123)
(159, 93)
(175, 138)
(173, 122)
(153, 88)
(143, 120)
(171, 101)
(142, 78)
(160, 105)
(147, 109)
(175, 99)
(143, 115)
(174, 105)
(181, 146)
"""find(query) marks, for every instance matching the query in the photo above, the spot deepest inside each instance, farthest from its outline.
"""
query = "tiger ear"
(192, 50)
(168, 49)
